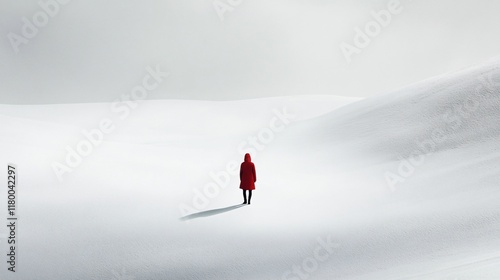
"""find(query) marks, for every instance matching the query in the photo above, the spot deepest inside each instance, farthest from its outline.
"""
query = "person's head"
(247, 157)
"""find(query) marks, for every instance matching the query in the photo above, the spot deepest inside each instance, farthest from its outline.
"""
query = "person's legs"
(244, 197)
(249, 196)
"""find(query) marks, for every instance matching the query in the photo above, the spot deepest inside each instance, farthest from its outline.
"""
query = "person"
(247, 178)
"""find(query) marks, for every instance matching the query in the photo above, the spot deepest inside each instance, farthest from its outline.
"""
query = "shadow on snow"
(212, 212)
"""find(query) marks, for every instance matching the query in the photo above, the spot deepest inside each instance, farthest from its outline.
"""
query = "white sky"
(94, 50)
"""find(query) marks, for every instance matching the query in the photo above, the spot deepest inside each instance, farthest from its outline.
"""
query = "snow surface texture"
(401, 186)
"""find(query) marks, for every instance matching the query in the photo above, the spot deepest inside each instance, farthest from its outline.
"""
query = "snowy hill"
(463, 107)
(401, 186)
(425, 161)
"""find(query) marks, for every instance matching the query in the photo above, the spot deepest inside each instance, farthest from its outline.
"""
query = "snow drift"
(401, 186)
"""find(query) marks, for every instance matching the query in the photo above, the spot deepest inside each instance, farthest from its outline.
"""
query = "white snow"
(128, 211)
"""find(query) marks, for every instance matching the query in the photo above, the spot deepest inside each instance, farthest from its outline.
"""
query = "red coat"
(247, 174)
